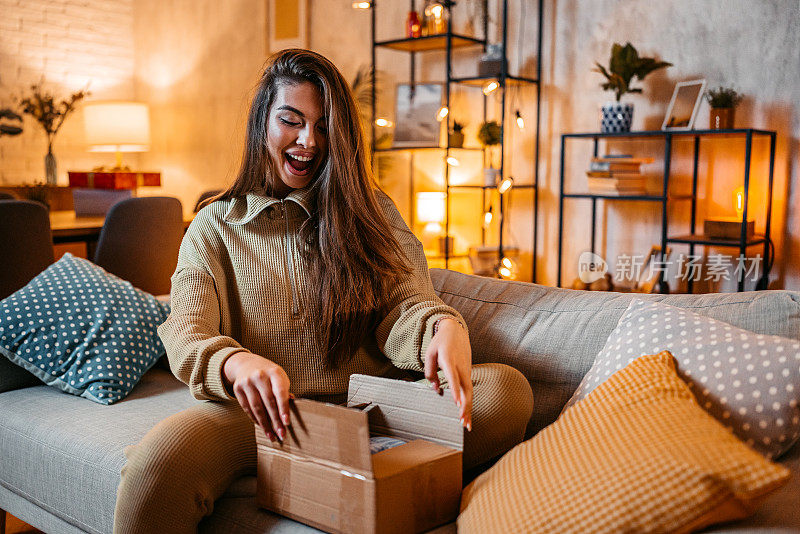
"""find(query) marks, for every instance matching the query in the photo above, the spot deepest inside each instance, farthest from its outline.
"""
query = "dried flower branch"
(43, 107)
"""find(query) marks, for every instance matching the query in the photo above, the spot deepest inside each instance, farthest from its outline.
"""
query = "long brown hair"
(353, 256)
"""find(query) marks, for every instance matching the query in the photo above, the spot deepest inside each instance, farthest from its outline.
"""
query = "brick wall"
(69, 44)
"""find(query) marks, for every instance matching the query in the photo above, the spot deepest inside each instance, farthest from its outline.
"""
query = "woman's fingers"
(282, 396)
(431, 371)
(255, 406)
(271, 405)
(466, 398)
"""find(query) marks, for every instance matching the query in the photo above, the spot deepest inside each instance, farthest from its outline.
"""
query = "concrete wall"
(196, 63)
(69, 45)
(752, 46)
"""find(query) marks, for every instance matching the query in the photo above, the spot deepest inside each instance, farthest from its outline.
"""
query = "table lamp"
(117, 127)
(431, 211)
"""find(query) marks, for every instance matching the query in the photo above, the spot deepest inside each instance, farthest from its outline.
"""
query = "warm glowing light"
(487, 217)
(443, 111)
(489, 87)
(362, 5)
(117, 127)
(384, 122)
(430, 207)
(505, 272)
(520, 121)
(505, 185)
(738, 200)
(453, 162)
(507, 263)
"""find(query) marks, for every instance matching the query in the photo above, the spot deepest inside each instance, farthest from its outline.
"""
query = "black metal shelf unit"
(693, 239)
(447, 42)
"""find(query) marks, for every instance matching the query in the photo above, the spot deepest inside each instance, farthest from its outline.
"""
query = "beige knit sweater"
(240, 285)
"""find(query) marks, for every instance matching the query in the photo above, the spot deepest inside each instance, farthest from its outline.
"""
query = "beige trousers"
(187, 461)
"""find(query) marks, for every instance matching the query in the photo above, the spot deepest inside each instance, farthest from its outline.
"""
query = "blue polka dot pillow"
(82, 330)
(749, 382)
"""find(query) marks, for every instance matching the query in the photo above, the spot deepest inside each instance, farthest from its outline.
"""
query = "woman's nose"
(307, 137)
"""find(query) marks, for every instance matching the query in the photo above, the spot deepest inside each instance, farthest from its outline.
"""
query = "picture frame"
(288, 24)
(684, 104)
(416, 107)
(647, 281)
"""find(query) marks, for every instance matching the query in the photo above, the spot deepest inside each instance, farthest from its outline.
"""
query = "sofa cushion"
(65, 454)
(637, 455)
(552, 335)
(749, 382)
(82, 330)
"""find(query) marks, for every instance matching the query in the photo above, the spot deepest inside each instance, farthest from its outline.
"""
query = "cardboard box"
(727, 228)
(323, 474)
(114, 179)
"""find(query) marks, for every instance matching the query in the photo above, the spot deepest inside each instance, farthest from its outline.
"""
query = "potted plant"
(490, 134)
(456, 136)
(624, 64)
(723, 102)
(43, 107)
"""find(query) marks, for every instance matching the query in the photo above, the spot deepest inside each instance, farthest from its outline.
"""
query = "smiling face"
(297, 136)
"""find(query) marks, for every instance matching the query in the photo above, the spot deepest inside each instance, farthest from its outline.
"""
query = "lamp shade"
(117, 126)
(430, 207)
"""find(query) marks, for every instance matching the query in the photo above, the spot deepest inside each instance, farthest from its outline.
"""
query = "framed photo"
(684, 104)
(415, 117)
(288, 23)
(647, 281)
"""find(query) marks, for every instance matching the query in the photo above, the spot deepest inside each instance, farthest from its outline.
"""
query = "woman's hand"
(262, 389)
(450, 351)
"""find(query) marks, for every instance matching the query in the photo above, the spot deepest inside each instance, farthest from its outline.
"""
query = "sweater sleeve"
(191, 334)
(406, 332)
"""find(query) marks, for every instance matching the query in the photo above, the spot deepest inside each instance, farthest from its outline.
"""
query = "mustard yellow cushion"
(637, 455)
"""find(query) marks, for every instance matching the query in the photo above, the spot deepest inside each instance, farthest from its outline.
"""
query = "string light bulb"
(489, 87)
(738, 201)
(362, 5)
(383, 122)
(487, 216)
(452, 161)
(505, 185)
(507, 267)
(442, 113)
(520, 121)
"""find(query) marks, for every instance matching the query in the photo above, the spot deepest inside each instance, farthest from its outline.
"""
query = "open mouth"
(299, 165)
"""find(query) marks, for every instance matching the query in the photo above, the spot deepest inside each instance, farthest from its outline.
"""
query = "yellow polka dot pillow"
(636, 455)
(749, 382)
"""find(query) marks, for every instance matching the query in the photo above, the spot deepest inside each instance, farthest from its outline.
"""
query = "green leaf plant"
(625, 64)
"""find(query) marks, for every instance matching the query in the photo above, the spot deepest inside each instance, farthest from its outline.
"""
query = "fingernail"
(469, 426)
(461, 421)
(281, 434)
(286, 419)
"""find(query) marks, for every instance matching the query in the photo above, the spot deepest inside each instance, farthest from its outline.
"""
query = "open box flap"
(407, 410)
(326, 433)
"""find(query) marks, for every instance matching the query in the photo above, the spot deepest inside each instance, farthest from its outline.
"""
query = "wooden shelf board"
(429, 43)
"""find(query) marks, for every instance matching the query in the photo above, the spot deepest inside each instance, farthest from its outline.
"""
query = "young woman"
(300, 274)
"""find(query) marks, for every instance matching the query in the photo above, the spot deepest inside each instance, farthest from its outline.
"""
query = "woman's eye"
(289, 123)
(323, 129)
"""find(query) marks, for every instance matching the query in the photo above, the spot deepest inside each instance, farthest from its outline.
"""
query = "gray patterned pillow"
(749, 382)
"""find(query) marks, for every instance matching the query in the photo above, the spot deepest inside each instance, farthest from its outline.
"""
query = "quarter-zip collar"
(244, 209)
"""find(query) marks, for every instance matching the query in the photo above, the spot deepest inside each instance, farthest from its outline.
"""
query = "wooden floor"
(15, 526)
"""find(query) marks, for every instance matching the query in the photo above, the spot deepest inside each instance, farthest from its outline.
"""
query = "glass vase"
(51, 177)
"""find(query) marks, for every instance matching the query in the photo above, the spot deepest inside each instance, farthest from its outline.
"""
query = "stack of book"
(617, 175)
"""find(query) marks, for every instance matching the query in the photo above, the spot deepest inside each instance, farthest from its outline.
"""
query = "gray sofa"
(61, 456)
